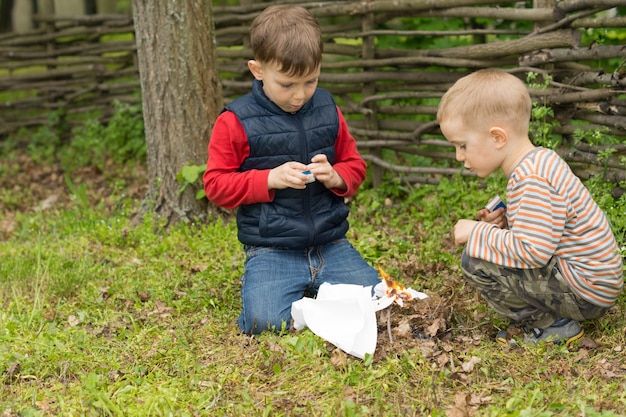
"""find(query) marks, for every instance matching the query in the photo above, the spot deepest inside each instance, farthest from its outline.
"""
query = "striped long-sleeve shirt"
(550, 213)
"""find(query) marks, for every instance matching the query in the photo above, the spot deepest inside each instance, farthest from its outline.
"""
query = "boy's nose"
(298, 93)
(459, 156)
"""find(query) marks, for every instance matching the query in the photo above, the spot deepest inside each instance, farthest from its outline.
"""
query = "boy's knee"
(479, 273)
(256, 323)
(468, 264)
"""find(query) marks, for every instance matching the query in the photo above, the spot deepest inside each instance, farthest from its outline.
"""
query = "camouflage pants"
(534, 297)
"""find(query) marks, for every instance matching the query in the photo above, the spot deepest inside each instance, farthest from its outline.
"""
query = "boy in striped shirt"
(549, 260)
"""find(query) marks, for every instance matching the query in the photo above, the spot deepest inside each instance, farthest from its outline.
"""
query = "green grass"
(99, 317)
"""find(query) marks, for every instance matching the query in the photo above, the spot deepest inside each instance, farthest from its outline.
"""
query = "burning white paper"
(389, 288)
(345, 315)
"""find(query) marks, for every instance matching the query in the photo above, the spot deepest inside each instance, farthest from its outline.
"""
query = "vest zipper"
(306, 194)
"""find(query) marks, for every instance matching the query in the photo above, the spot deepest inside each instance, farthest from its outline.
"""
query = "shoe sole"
(501, 337)
(565, 342)
(574, 338)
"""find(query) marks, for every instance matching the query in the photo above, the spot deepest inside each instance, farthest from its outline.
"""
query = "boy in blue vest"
(283, 156)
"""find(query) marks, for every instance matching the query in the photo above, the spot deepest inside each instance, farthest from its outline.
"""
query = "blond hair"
(487, 97)
(289, 37)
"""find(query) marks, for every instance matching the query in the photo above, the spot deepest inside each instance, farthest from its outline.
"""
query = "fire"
(393, 289)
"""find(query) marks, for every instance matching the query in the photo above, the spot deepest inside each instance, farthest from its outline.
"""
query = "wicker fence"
(387, 88)
(76, 65)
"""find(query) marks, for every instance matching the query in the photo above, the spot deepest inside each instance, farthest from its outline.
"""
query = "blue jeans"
(276, 277)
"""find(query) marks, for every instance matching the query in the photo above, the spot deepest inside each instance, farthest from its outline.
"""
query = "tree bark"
(181, 97)
(22, 16)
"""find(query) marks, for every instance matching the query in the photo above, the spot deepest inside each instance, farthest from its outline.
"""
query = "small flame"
(393, 289)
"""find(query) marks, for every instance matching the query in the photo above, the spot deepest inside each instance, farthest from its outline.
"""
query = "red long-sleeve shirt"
(227, 187)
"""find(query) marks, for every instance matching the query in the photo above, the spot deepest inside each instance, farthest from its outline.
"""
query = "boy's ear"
(499, 135)
(255, 69)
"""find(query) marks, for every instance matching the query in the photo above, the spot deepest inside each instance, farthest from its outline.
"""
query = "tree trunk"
(181, 97)
(22, 16)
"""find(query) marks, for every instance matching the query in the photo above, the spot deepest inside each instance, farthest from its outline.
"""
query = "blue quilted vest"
(296, 218)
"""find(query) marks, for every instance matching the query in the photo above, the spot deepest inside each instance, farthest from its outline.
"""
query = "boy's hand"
(496, 217)
(324, 172)
(462, 230)
(287, 175)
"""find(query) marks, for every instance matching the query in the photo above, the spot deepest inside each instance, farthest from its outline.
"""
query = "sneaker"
(562, 331)
(509, 334)
(501, 337)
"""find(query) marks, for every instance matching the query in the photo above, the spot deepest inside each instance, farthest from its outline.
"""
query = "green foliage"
(606, 36)
(192, 175)
(123, 6)
(614, 208)
(43, 144)
(92, 143)
(8, 146)
(78, 193)
(121, 139)
(450, 24)
(542, 120)
(595, 137)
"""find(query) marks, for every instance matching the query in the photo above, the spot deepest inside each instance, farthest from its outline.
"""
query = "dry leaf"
(427, 348)
(348, 393)
(588, 343)
(143, 296)
(7, 227)
(13, 370)
(433, 329)
(338, 358)
(179, 294)
(198, 268)
(403, 329)
(582, 354)
(104, 292)
(448, 347)
(477, 400)
(443, 359)
(73, 321)
(469, 365)
(43, 405)
(47, 203)
(275, 347)
(49, 314)
(455, 411)
(460, 407)
(161, 310)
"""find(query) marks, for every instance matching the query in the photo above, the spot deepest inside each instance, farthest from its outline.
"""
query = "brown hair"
(289, 37)
(485, 97)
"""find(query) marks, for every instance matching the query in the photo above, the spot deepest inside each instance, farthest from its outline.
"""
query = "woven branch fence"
(387, 88)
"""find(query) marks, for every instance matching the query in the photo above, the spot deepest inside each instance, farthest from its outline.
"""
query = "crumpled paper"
(345, 315)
